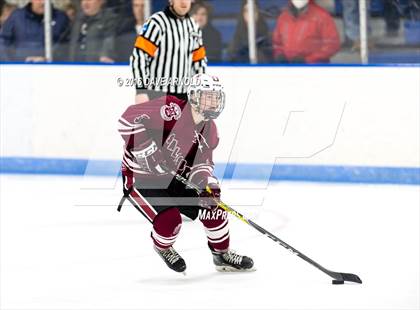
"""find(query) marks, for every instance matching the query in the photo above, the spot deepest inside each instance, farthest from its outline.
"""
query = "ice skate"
(172, 259)
(231, 262)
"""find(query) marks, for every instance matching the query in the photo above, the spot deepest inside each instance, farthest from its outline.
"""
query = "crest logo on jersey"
(170, 112)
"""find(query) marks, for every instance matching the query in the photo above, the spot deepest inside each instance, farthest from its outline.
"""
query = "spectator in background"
(71, 11)
(413, 10)
(238, 50)
(6, 10)
(393, 10)
(351, 23)
(93, 33)
(201, 12)
(392, 17)
(128, 29)
(138, 14)
(22, 35)
(2, 4)
(120, 7)
(305, 33)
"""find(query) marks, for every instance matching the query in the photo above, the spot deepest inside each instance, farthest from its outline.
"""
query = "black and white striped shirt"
(169, 50)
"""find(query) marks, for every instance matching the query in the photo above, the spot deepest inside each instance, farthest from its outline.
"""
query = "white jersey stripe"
(218, 227)
(215, 234)
(220, 240)
(162, 237)
(128, 133)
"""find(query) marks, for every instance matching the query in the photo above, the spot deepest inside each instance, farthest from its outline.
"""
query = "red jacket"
(311, 35)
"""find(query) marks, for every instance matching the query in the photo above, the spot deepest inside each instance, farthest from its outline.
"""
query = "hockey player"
(175, 134)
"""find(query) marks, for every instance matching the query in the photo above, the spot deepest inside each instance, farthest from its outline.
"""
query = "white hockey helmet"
(206, 95)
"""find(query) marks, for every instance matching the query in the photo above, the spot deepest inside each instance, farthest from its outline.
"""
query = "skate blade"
(232, 269)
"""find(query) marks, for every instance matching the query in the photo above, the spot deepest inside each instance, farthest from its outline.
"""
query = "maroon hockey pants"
(167, 220)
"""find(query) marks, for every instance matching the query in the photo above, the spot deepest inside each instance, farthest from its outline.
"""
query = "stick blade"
(349, 277)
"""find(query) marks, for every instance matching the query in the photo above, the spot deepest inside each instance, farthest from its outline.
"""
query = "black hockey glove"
(157, 163)
(150, 158)
(210, 196)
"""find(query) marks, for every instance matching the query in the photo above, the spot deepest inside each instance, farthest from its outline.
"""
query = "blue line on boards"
(239, 171)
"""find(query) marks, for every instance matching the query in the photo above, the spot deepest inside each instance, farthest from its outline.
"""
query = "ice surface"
(64, 246)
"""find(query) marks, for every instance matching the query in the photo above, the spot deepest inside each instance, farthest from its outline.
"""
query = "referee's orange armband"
(199, 54)
(146, 46)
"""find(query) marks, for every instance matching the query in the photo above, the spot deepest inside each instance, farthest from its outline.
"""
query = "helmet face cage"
(207, 97)
(208, 103)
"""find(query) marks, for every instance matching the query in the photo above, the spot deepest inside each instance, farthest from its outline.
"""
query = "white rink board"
(301, 115)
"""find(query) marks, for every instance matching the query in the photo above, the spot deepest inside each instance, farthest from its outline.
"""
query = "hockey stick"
(123, 198)
(338, 277)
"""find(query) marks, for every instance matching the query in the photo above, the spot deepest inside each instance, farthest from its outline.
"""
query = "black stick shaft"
(286, 246)
(335, 275)
(123, 198)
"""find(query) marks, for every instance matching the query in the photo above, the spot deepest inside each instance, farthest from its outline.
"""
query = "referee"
(167, 53)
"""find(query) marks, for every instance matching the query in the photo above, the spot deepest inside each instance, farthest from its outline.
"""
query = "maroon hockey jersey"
(187, 147)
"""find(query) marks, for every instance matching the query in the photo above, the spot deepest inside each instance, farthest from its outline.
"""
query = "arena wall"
(318, 123)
